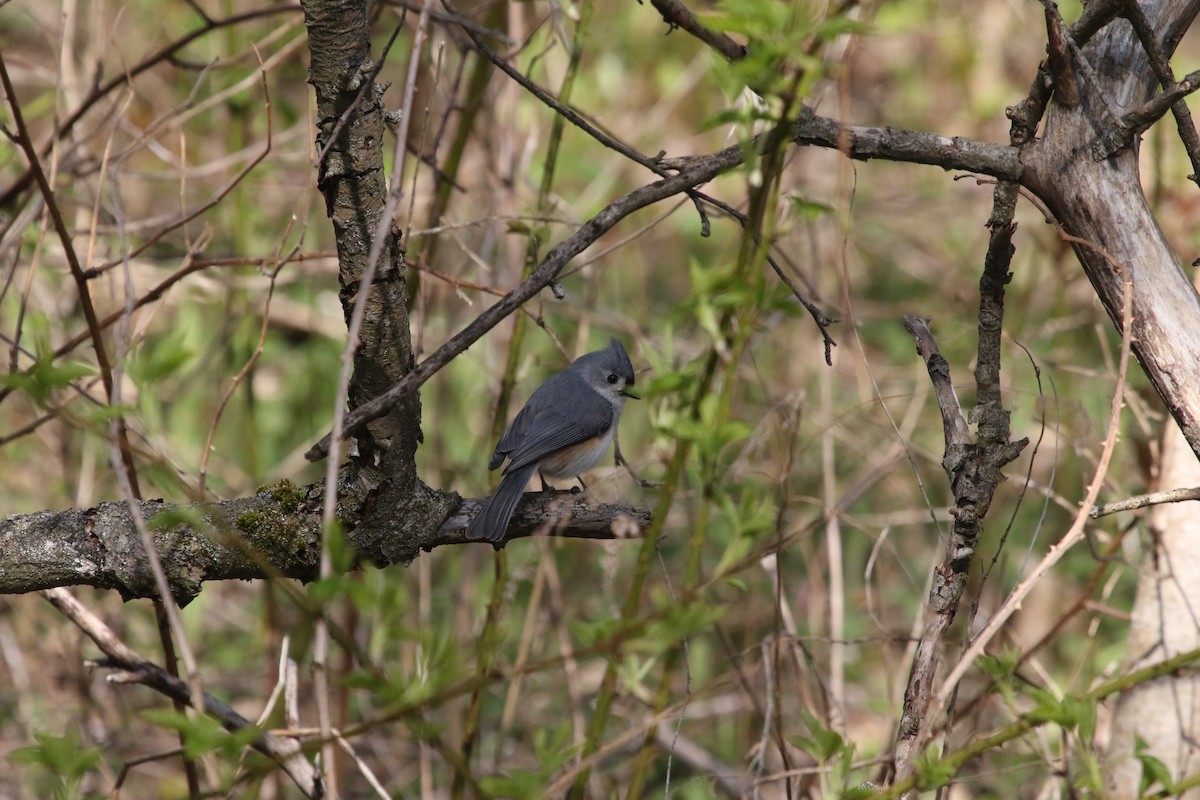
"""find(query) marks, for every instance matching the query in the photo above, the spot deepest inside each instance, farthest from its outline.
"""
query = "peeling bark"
(1102, 209)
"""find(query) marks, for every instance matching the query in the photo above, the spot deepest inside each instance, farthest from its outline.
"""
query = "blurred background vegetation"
(838, 466)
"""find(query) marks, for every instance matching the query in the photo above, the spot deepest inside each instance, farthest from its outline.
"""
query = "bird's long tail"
(491, 523)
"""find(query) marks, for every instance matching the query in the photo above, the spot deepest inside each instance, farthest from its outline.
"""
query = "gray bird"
(563, 430)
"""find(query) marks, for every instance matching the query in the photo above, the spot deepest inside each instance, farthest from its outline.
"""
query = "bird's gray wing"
(558, 415)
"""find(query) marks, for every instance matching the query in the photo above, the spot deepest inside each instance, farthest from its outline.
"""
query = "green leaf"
(161, 358)
(517, 783)
(811, 210)
(931, 771)
(633, 671)
(45, 377)
(738, 583)
(1050, 709)
(65, 755)
(833, 27)
(590, 632)
(675, 623)
(102, 415)
(1000, 668)
(1153, 769)
(202, 734)
(741, 116)
(667, 383)
(735, 552)
(822, 743)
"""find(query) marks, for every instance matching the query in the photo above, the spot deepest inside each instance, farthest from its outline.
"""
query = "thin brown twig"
(165, 53)
(243, 372)
(563, 110)
(1144, 500)
(172, 636)
(1172, 91)
(1073, 535)
(973, 468)
(677, 15)
(279, 264)
(25, 142)
(949, 578)
(657, 164)
(284, 752)
(191, 265)
(1135, 122)
(212, 201)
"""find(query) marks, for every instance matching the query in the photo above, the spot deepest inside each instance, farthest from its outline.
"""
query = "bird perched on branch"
(563, 430)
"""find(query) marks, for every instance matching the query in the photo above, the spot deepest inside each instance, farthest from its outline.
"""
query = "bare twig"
(278, 265)
(1173, 93)
(974, 470)
(1073, 535)
(949, 578)
(856, 142)
(954, 424)
(164, 54)
(657, 164)
(1074, 64)
(136, 669)
(917, 147)
(25, 141)
(562, 109)
(677, 15)
(1143, 500)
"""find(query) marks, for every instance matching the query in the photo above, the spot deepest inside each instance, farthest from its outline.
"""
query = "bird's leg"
(581, 483)
(546, 488)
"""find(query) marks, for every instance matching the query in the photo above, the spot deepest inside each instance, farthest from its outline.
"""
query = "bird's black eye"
(612, 377)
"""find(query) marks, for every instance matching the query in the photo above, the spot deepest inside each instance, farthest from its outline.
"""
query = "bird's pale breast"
(576, 459)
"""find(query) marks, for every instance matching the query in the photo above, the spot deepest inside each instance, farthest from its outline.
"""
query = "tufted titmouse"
(563, 430)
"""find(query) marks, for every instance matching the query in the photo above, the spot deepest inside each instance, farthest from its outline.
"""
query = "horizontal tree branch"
(275, 533)
(918, 147)
(1143, 500)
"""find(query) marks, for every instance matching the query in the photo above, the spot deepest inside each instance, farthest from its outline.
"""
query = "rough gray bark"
(1101, 205)
(276, 533)
(389, 514)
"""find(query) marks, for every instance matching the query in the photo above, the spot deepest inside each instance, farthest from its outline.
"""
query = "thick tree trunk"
(1098, 200)
(1100, 205)
(394, 513)
(1164, 713)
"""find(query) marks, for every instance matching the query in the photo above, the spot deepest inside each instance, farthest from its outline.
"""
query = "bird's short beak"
(631, 394)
